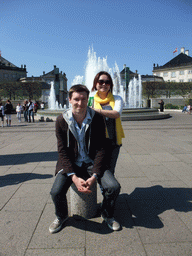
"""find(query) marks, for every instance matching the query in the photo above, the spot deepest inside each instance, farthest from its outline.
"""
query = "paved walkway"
(155, 205)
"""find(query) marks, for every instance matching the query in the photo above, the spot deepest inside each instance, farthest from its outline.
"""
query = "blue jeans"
(30, 114)
(25, 113)
(110, 190)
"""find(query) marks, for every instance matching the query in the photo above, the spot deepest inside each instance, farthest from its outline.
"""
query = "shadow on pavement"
(14, 159)
(14, 179)
(88, 225)
(144, 205)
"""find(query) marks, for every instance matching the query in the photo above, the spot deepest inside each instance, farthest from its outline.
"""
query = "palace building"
(178, 69)
(60, 84)
(10, 72)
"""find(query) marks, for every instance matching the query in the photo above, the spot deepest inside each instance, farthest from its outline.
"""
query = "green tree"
(155, 89)
(18, 90)
(10, 89)
(32, 90)
(152, 89)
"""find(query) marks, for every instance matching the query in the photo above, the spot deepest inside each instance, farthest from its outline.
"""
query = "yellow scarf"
(110, 99)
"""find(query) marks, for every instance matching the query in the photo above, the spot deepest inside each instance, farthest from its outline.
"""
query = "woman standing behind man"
(110, 106)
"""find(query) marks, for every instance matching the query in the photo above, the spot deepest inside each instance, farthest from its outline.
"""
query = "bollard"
(84, 205)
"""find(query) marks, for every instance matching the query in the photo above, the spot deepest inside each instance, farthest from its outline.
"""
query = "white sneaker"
(57, 224)
(112, 223)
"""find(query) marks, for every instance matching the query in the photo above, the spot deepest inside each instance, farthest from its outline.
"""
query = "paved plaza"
(154, 207)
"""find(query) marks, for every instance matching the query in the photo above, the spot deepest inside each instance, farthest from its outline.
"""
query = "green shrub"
(171, 106)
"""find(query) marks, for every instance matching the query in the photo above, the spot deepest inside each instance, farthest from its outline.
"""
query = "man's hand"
(90, 182)
(82, 185)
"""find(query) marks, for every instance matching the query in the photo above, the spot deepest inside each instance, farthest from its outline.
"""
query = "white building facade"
(179, 69)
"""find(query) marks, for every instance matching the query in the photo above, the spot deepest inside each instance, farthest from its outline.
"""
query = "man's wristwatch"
(94, 175)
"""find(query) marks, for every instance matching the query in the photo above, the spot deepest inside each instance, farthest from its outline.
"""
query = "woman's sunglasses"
(104, 82)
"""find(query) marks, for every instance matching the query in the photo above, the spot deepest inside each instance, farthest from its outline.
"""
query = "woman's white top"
(118, 104)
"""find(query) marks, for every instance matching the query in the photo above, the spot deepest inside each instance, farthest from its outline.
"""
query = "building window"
(190, 80)
(181, 72)
(173, 81)
(190, 72)
(173, 74)
(165, 74)
(181, 80)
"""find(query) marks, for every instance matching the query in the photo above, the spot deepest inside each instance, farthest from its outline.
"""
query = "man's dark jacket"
(95, 140)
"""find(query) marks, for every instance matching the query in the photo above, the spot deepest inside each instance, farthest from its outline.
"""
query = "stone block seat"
(84, 205)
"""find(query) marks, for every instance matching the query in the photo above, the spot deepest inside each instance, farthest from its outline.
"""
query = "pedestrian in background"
(189, 109)
(31, 110)
(42, 105)
(8, 110)
(161, 103)
(19, 109)
(25, 110)
(2, 114)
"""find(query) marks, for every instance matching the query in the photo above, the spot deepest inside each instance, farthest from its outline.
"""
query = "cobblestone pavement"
(155, 205)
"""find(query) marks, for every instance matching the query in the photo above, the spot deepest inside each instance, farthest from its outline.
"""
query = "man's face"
(79, 102)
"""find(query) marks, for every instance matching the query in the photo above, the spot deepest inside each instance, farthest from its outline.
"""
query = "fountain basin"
(141, 114)
(131, 114)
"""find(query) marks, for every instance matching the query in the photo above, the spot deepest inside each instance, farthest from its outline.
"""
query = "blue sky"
(138, 33)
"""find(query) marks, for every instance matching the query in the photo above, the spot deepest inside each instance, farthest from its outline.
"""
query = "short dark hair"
(97, 78)
(78, 88)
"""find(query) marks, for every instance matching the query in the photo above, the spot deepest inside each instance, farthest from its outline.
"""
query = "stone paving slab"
(155, 205)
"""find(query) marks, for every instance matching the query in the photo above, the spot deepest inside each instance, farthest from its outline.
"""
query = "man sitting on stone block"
(81, 140)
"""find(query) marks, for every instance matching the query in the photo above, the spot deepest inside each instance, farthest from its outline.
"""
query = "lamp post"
(127, 78)
(57, 83)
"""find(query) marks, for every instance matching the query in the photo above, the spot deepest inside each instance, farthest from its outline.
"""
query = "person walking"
(31, 111)
(2, 114)
(110, 106)
(161, 103)
(8, 110)
(25, 110)
(189, 109)
(19, 110)
(81, 141)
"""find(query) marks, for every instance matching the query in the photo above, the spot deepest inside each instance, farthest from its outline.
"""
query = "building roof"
(150, 76)
(31, 79)
(7, 65)
(180, 60)
(127, 70)
(51, 73)
(44, 85)
(5, 62)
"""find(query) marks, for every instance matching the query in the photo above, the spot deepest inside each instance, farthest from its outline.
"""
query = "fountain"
(132, 103)
(95, 65)
(134, 93)
(52, 103)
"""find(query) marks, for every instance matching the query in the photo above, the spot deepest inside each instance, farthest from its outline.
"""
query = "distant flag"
(175, 50)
